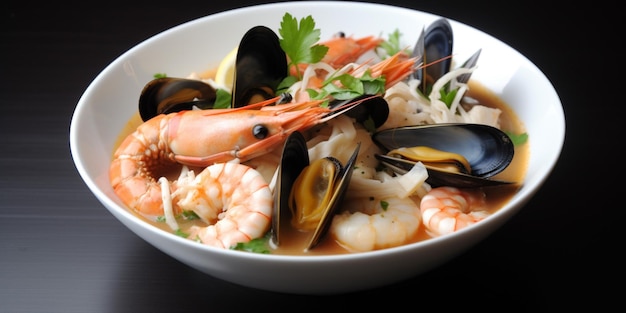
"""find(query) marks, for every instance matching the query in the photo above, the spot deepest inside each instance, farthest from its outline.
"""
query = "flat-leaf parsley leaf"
(300, 41)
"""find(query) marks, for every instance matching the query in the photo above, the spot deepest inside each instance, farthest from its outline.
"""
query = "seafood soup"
(496, 196)
(380, 208)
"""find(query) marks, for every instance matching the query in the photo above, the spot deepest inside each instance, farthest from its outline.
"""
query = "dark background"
(61, 251)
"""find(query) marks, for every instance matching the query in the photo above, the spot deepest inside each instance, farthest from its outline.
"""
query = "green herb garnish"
(351, 87)
(190, 215)
(392, 44)
(300, 41)
(258, 245)
(518, 139)
(222, 100)
(180, 233)
(187, 215)
(447, 97)
(384, 205)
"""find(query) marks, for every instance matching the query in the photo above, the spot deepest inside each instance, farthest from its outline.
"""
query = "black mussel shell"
(487, 149)
(434, 44)
(374, 109)
(169, 94)
(260, 66)
(469, 63)
(295, 157)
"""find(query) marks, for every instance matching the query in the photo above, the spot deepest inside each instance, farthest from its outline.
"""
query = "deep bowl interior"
(111, 99)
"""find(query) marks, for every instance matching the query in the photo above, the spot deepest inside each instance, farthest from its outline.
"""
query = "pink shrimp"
(343, 50)
(233, 199)
(448, 209)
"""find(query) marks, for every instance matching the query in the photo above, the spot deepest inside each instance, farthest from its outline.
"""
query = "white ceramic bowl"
(110, 100)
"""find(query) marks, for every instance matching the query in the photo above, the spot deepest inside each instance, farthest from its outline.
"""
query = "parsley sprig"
(393, 44)
(300, 41)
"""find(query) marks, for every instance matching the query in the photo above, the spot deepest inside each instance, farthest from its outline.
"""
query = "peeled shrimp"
(234, 199)
(371, 224)
(448, 209)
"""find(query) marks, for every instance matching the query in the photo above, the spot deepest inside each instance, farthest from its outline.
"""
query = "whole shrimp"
(448, 209)
(371, 224)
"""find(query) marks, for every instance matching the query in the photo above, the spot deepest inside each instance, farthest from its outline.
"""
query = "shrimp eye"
(260, 131)
(284, 98)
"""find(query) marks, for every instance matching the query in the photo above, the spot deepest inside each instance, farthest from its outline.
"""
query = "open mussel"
(259, 67)
(170, 94)
(434, 51)
(455, 154)
(307, 195)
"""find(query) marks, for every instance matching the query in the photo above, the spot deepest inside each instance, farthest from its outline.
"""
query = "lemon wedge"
(225, 74)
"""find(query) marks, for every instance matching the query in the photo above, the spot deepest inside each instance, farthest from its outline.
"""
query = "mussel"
(372, 112)
(434, 44)
(307, 195)
(171, 94)
(260, 66)
(434, 50)
(455, 154)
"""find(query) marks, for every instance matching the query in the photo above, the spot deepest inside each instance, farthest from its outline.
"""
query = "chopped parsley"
(190, 215)
(447, 97)
(181, 233)
(186, 215)
(384, 204)
(518, 139)
(258, 245)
